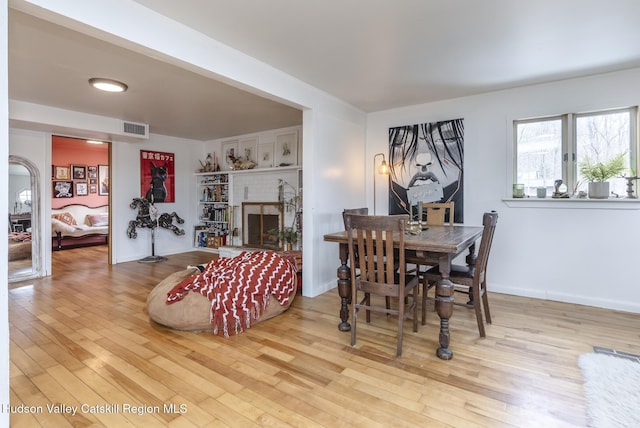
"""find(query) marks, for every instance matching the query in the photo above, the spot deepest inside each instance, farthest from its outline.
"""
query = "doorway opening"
(79, 195)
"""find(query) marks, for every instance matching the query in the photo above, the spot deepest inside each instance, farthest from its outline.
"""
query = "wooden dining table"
(435, 245)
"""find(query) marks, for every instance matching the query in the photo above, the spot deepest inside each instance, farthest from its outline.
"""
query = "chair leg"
(354, 322)
(368, 303)
(485, 303)
(477, 307)
(425, 288)
(401, 308)
(415, 308)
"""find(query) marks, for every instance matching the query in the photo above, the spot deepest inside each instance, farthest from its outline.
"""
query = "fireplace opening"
(261, 222)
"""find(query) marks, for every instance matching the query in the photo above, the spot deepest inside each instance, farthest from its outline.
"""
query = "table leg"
(344, 288)
(444, 306)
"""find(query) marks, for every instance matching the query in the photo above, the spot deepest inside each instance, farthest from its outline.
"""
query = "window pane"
(600, 137)
(539, 152)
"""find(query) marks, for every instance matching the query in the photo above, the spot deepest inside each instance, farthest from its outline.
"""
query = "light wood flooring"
(82, 337)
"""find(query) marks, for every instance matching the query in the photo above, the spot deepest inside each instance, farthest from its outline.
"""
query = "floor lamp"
(383, 169)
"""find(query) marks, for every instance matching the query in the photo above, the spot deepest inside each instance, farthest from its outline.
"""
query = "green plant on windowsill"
(602, 171)
(598, 173)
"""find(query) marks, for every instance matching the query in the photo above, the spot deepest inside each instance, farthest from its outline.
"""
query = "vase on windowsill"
(598, 190)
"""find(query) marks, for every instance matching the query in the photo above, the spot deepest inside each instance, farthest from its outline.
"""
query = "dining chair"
(435, 214)
(360, 211)
(471, 280)
(372, 237)
(355, 259)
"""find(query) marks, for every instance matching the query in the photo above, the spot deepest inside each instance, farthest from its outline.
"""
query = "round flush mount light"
(108, 85)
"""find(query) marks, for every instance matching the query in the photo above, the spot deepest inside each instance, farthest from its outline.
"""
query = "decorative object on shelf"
(598, 173)
(241, 164)
(210, 164)
(157, 176)
(518, 190)
(630, 181)
(541, 192)
(560, 190)
(148, 217)
(229, 149)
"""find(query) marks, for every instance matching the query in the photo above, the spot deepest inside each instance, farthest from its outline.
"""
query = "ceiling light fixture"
(94, 142)
(108, 85)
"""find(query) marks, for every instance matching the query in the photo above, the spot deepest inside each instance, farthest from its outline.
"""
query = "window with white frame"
(551, 148)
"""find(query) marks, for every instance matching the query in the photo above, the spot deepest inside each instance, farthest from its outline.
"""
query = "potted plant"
(598, 173)
(288, 236)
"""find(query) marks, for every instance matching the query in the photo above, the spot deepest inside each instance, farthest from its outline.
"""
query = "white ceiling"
(374, 54)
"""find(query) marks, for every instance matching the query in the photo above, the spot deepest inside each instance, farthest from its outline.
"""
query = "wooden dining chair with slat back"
(468, 279)
(434, 214)
(437, 213)
(378, 274)
(358, 211)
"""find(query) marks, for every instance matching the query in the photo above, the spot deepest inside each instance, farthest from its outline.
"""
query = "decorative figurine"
(630, 181)
(560, 190)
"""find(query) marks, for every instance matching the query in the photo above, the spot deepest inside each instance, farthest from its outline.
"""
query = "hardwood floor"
(82, 337)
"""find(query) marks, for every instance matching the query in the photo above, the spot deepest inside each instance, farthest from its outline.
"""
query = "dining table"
(433, 244)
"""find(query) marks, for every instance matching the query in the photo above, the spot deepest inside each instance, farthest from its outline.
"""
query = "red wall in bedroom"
(73, 151)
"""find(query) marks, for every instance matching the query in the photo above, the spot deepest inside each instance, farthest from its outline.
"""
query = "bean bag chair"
(228, 296)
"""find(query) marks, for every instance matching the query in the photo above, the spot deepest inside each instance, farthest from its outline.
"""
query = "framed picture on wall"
(79, 172)
(92, 172)
(61, 173)
(157, 177)
(247, 149)
(63, 189)
(286, 149)
(103, 180)
(229, 150)
(265, 155)
(81, 188)
(93, 188)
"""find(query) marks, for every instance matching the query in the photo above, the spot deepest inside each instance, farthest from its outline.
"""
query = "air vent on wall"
(140, 130)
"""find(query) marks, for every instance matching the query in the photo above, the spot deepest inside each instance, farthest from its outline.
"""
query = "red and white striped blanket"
(239, 288)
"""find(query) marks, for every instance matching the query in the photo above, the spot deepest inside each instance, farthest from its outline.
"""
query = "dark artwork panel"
(426, 163)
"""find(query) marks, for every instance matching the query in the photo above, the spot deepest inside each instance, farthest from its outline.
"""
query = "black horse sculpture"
(158, 191)
(148, 217)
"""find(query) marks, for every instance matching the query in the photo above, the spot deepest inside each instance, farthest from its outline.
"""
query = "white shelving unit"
(214, 213)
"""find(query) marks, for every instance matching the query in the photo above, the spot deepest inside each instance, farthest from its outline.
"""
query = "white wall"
(567, 254)
(125, 185)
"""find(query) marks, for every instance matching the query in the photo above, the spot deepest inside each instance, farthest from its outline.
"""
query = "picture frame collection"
(78, 180)
(281, 152)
